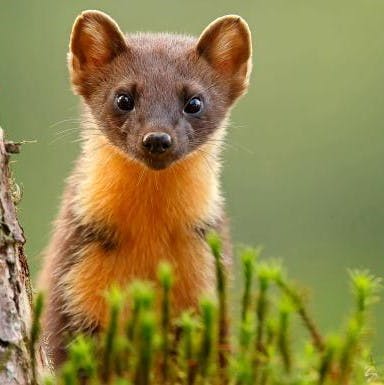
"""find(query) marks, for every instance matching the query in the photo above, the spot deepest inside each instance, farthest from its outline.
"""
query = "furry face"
(158, 97)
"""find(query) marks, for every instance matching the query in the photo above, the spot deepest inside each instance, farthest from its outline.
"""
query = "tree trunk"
(15, 286)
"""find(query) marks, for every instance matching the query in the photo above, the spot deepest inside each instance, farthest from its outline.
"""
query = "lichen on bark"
(15, 286)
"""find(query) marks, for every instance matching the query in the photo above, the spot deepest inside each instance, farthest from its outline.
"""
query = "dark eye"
(125, 102)
(193, 106)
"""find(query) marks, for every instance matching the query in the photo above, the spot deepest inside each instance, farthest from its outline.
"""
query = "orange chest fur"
(154, 215)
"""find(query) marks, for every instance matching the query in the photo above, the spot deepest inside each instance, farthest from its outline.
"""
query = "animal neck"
(124, 194)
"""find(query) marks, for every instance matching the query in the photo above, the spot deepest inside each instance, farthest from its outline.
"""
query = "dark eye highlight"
(193, 106)
(125, 102)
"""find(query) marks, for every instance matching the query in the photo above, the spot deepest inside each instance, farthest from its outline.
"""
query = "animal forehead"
(153, 53)
(151, 43)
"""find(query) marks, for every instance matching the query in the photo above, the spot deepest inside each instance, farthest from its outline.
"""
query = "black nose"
(157, 142)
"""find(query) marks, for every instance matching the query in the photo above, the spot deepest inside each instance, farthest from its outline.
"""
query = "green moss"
(153, 347)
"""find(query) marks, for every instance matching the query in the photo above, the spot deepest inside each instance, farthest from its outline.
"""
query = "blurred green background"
(303, 171)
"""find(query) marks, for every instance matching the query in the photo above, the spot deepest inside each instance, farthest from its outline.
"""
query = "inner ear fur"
(226, 45)
(96, 40)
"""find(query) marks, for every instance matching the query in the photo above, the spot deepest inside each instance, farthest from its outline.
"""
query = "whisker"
(79, 140)
(65, 121)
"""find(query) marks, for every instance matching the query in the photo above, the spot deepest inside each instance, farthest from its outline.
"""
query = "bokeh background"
(303, 171)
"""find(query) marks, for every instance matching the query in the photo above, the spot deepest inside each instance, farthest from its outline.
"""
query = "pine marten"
(146, 185)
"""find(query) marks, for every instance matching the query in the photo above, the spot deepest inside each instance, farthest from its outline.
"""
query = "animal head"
(157, 96)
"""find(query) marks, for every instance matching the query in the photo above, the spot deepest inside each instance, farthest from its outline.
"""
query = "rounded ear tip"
(232, 17)
(84, 16)
(95, 40)
(240, 23)
(235, 19)
(91, 13)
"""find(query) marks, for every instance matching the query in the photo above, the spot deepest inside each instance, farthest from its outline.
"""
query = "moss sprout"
(35, 332)
(166, 280)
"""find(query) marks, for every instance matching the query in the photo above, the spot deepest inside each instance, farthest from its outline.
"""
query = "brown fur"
(124, 210)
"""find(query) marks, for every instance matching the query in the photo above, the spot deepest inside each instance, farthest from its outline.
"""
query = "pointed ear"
(95, 41)
(226, 45)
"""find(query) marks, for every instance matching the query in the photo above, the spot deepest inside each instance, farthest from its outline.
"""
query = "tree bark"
(15, 285)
